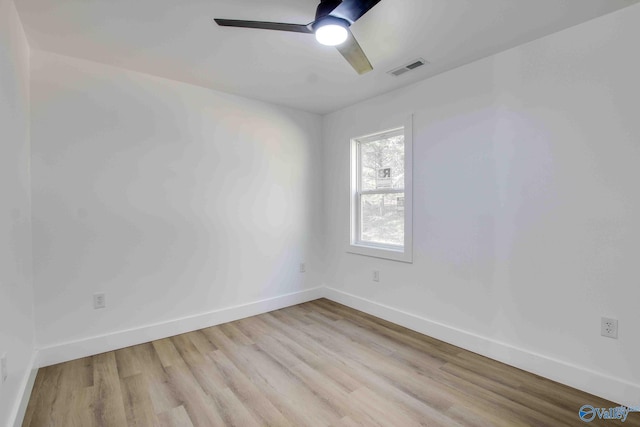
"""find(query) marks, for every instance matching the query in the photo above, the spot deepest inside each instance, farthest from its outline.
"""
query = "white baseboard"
(25, 393)
(613, 389)
(64, 352)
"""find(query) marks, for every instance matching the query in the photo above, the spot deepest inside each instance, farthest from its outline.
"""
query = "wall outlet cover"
(99, 301)
(609, 327)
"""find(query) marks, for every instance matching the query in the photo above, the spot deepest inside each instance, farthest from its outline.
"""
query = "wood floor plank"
(203, 369)
(277, 351)
(386, 413)
(201, 408)
(187, 352)
(44, 398)
(337, 396)
(247, 392)
(128, 363)
(137, 401)
(82, 414)
(176, 417)
(346, 422)
(299, 345)
(474, 416)
(162, 396)
(279, 385)
(167, 352)
(201, 342)
(234, 412)
(235, 334)
(108, 406)
(312, 350)
(56, 391)
(315, 364)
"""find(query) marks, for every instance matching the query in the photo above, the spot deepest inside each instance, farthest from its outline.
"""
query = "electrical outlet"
(376, 276)
(3, 368)
(609, 327)
(99, 301)
(303, 267)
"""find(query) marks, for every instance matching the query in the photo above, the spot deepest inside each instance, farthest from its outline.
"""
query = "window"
(381, 194)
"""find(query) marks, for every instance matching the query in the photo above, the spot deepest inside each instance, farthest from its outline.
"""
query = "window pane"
(382, 163)
(382, 218)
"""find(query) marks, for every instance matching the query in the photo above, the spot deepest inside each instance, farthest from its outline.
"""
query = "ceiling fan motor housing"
(325, 7)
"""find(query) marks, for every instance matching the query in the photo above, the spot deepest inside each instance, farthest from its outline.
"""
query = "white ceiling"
(177, 39)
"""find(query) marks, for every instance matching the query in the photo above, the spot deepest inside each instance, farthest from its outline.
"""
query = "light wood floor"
(314, 364)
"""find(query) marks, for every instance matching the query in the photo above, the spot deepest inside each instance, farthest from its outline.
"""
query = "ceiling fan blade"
(279, 26)
(352, 10)
(353, 53)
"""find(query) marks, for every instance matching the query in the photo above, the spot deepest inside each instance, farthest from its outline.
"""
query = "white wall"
(16, 291)
(526, 206)
(172, 199)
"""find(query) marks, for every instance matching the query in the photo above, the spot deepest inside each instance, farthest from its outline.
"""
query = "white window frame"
(392, 252)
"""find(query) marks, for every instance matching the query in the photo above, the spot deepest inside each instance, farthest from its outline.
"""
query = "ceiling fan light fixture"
(331, 32)
(331, 27)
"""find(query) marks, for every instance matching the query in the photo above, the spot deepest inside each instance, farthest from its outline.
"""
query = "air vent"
(408, 67)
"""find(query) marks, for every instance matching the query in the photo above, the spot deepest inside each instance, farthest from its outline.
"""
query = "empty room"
(319, 213)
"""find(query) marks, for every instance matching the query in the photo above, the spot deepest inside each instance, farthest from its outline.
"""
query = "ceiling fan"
(331, 27)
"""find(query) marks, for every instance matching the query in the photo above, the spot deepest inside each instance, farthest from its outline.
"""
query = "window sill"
(379, 252)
